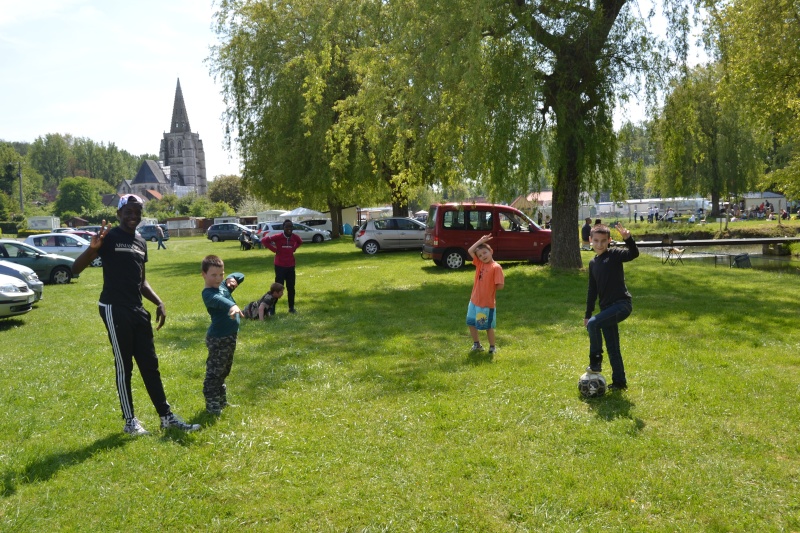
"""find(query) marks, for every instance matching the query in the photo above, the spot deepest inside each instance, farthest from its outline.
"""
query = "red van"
(453, 228)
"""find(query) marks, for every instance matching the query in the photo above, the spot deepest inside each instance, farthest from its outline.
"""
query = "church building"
(181, 168)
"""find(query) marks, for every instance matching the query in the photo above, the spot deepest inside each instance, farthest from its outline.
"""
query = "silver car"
(394, 233)
(301, 230)
(25, 274)
(15, 296)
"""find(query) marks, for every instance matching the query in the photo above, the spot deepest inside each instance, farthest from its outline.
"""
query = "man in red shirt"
(284, 244)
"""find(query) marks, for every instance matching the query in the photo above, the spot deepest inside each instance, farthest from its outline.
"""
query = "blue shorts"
(481, 318)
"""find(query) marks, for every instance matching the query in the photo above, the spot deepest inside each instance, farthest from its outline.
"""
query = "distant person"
(481, 312)
(124, 255)
(160, 237)
(221, 334)
(586, 230)
(692, 219)
(597, 222)
(264, 306)
(607, 282)
(539, 218)
(284, 245)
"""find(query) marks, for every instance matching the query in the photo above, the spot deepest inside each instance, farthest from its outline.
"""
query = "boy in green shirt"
(221, 335)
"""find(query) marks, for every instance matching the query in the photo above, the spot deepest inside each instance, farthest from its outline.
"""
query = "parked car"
(16, 298)
(95, 229)
(25, 274)
(66, 244)
(149, 232)
(452, 228)
(229, 231)
(394, 233)
(319, 223)
(83, 234)
(302, 231)
(49, 267)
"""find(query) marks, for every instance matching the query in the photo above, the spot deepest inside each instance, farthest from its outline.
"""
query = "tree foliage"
(79, 195)
(707, 146)
(759, 44)
(227, 189)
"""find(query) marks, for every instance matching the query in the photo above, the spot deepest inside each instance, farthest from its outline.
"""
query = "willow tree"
(336, 96)
(524, 84)
(706, 143)
(758, 42)
(291, 72)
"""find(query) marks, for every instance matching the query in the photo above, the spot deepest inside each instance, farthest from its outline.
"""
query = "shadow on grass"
(11, 323)
(45, 468)
(612, 406)
(476, 358)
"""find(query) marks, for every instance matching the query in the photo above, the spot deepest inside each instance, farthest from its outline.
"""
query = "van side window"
(481, 220)
(453, 220)
(511, 222)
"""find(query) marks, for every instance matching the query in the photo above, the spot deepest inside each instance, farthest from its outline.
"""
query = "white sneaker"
(134, 428)
(174, 421)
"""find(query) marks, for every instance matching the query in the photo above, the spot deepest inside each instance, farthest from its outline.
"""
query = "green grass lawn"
(366, 411)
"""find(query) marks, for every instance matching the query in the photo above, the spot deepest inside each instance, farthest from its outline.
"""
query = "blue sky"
(107, 70)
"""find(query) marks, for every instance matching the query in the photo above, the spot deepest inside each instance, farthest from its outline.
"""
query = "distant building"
(181, 169)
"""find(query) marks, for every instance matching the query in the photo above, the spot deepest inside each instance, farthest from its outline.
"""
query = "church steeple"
(180, 120)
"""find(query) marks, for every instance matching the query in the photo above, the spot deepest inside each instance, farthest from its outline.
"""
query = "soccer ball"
(592, 385)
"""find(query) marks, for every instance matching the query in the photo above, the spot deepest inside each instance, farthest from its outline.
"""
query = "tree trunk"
(336, 218)
(565, 251)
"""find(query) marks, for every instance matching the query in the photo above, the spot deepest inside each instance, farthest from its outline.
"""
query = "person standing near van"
(284, 245)
(489, 279)
(160, 237)
(586, 230)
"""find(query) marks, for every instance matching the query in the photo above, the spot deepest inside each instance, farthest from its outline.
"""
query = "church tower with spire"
(182, 151)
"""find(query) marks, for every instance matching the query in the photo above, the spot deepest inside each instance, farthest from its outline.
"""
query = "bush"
(8, 228)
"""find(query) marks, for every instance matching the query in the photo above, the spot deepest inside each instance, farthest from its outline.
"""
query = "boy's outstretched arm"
(478, 242)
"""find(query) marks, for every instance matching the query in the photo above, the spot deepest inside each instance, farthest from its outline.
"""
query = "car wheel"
(453, 259)
(214, 238)
(317, 238)
(546, 255)
(61, 275)
(370, 248)
(97, 262)
(153, 239)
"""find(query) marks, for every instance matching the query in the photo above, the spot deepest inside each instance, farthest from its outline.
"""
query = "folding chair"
(672, 255)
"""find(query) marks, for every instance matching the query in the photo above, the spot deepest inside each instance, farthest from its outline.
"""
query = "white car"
(301, 230)
(16, 298)
(61, 244)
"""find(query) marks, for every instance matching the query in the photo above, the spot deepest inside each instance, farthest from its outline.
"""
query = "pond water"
(723, 257)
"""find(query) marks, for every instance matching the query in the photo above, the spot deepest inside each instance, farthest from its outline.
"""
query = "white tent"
(303, 212)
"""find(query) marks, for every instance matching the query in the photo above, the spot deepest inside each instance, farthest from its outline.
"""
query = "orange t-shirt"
(487, 277)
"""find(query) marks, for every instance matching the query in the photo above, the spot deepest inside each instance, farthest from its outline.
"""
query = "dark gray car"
(226, 232)
(149, 232)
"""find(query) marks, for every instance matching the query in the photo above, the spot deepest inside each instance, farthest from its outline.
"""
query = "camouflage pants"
(218, 366)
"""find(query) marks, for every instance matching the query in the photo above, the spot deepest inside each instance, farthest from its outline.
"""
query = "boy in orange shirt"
(489, 279)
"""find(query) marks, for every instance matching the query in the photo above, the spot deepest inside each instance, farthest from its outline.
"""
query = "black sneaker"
(617, 386)
(174, 421)
(594, 369)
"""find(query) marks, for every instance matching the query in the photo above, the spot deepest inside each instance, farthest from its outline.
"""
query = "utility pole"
(19, 175)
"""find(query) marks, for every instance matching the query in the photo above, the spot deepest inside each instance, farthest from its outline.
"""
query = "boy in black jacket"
(607, 280)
